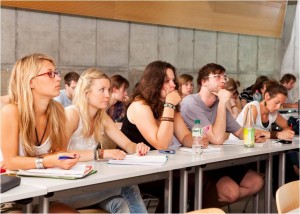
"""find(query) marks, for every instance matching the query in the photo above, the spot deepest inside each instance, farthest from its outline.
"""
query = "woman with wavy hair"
(153, 116)
(33, 126)
(88, 122)
(156, 100)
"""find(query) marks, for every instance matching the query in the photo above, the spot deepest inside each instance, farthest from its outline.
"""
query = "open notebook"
(150, 160)
(77, 171)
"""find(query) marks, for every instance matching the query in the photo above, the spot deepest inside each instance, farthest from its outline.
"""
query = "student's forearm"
(187, 140)
(219, 127)
(131, 148)
(85, 155)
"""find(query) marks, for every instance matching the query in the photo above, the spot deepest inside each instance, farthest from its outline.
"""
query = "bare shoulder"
(138, 105)
(10, 110)
(72, 115)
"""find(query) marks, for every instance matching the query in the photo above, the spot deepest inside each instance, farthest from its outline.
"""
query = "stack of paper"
(77, 171)
(206, 150)
(150, 160)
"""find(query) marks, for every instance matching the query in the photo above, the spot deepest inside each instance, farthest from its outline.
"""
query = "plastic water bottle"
(197, 131)
(257, 96)
(249, 130)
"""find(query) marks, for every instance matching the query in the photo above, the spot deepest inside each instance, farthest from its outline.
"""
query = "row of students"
(155, 99)
(36, 131)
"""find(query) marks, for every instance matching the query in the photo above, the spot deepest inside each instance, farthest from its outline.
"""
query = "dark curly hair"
(150, 86)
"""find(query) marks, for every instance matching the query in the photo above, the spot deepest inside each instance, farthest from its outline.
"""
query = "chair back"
(208, 210)
(287, 197)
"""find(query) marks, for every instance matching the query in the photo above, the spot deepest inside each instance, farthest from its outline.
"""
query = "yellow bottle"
(249, 130)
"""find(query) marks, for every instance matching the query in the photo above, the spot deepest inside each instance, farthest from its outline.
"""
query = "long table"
(236, 155)
(113, 176)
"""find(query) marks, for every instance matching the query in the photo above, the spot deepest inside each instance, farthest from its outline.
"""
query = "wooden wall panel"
(262, 18)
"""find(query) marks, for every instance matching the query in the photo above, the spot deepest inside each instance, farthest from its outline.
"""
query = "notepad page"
(78, 169)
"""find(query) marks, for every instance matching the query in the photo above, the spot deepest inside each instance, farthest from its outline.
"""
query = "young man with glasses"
(66, 95)
(230, 184)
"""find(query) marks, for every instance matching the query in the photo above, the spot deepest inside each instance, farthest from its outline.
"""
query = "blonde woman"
(33, 125)
(186, 85)
(88, 121)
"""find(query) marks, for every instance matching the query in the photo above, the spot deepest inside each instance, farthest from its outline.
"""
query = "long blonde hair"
(20, 93)
(80, 100)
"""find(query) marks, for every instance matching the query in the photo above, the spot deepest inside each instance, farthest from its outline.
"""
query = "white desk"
(23, 191)
(112, 176)
(109, 176)
(236, 155)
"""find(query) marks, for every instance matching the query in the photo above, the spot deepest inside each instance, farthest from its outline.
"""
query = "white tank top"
(39, 150)
(77, 141)
(258, 123)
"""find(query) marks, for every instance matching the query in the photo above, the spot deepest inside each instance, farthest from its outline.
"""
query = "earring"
(265, 103)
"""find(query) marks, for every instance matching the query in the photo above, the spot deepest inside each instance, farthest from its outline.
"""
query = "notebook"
(77, 171)
(150, 160)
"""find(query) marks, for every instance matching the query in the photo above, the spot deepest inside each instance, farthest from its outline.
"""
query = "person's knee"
(119, 205)
(258, 183)
(253, 181)
(114, 205)
(228, 190)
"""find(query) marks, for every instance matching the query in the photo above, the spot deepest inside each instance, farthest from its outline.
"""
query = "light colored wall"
(78, 43)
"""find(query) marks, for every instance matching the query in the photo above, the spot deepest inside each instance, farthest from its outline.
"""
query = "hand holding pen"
(67, 160)
(204, 139)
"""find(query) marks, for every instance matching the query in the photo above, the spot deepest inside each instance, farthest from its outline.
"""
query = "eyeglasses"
(219, 76)
(51, 74)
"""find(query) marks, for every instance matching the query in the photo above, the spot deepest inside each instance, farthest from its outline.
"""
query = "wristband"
(170, 119)
(39, 163)
(273, 135)
(170, 105)
(101, 153)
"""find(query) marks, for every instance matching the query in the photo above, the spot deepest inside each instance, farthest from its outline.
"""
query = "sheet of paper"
(150, 160)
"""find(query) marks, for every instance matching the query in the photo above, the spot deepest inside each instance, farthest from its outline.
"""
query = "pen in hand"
(65, 157)
(205, 130)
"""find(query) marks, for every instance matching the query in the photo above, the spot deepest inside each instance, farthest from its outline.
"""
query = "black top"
(132, 132)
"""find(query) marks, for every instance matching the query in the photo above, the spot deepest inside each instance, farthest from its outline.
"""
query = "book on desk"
(149, 160)
(76, 172)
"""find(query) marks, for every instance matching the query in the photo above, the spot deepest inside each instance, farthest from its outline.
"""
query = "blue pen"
(64, 157)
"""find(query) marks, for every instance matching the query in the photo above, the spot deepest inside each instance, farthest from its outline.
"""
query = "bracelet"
(273, 135)
(101, 153)
(39, 163)
(233, 106)
(170, 119)
(170, 105)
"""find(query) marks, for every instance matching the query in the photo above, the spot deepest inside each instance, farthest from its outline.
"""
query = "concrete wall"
(78, 43)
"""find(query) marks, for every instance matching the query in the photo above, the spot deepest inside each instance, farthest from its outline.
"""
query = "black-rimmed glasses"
(51, 74)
